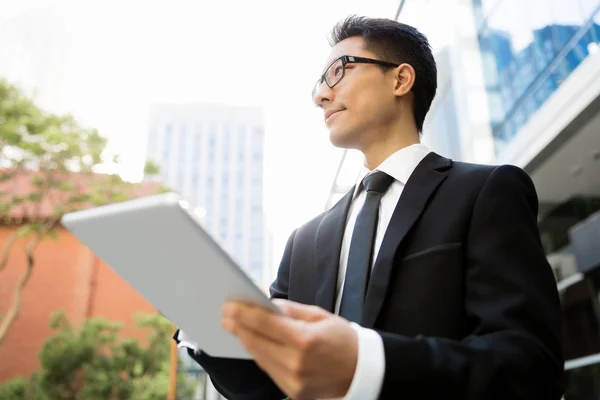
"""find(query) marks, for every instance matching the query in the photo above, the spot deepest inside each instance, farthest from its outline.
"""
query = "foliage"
(56, 159)
(151, 169)
(95, 363)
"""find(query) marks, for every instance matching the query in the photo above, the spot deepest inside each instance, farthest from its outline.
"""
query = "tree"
(151, 169)
(59, 159)
(94, 363)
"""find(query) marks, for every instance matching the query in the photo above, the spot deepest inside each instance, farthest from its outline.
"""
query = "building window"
(167, 140)
(180, 180)
(182, 144)
(258, 133)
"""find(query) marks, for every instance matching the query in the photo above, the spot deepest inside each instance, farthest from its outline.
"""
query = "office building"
(213, 156)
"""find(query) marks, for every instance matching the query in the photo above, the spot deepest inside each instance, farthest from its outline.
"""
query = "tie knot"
(378, 182)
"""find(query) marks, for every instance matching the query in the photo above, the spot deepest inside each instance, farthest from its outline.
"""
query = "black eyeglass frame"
(348, 60)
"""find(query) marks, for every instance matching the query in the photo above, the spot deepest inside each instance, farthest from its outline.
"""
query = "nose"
(323, 94)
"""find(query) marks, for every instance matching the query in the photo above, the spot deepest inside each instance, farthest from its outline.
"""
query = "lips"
(329, 113)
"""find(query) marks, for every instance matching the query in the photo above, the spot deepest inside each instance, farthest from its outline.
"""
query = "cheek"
(369, 108)
(366, 100)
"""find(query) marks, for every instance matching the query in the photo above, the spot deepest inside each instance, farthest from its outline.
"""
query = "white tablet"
(159, 247)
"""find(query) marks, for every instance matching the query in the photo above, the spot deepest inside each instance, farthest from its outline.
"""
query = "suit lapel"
(327, 255)
(428, 175)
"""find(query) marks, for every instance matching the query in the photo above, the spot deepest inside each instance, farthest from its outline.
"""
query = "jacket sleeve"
(243, 379)
(513, 350)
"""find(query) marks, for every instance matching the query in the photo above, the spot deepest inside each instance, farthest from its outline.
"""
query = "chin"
(342, 139)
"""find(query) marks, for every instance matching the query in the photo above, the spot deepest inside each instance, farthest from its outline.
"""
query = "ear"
(404, 79)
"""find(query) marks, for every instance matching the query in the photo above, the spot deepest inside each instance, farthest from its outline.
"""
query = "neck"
(378, 151)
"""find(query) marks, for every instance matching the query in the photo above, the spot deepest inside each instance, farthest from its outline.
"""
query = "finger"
(301, 311)
(262, 347)
(271, 357)
(278, 328)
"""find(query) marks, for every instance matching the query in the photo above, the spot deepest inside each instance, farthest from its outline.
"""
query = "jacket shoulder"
(481, 172)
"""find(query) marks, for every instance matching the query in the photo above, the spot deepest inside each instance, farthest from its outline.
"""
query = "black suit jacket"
(461, 291)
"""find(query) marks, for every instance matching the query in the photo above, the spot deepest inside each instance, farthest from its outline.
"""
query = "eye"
(338, 70)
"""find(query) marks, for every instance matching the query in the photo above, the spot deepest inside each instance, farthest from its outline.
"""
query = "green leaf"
(34, 197)
(14, 389)
(6, 176)
(138, 368)
(164, 189)
(65, 186)
(5, 207)
(37, 180)
(119, 196)
(78, 198)
(25, 230)
(151, 168)
(16, 200)
(53, 233)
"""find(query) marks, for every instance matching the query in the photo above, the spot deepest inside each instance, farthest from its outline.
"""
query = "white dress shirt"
(370, 367)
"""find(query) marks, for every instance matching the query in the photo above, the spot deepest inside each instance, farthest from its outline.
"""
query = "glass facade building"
(529, 50)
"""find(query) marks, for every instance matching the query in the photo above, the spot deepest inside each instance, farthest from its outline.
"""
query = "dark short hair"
(398, 43)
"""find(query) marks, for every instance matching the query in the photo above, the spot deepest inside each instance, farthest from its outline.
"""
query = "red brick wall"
(68, 276)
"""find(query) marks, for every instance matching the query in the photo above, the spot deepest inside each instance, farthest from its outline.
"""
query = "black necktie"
(360, 255)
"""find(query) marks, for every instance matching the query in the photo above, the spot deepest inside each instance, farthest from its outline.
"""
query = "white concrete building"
(213, 156)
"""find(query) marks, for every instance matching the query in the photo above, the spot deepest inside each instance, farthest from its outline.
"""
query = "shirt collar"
(399, 165)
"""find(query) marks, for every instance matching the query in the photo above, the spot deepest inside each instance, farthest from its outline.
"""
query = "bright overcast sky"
(108, 61)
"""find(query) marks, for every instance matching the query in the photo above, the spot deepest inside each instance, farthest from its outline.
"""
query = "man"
(435, 267)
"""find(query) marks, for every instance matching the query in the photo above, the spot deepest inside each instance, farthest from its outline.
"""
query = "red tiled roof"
(22, 185)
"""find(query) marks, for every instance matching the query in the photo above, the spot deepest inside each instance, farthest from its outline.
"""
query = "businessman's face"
(361, 106)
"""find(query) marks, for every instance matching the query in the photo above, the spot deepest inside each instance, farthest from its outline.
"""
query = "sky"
(106, 62)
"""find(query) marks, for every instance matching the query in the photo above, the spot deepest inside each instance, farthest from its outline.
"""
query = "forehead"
(354, 46)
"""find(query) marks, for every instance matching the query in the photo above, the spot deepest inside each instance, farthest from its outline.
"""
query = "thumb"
(300, 311)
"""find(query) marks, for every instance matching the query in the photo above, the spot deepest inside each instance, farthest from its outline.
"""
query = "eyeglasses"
(336, 70)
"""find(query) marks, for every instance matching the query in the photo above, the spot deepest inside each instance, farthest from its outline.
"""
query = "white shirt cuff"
(370, 366)
(185, 342)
